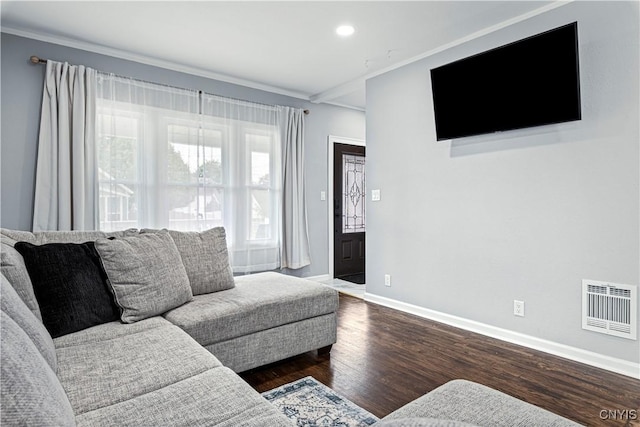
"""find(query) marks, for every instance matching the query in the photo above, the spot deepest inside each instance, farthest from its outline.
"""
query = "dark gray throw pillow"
(146, 274)
(70, 286)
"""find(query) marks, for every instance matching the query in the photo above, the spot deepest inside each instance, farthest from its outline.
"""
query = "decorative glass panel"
(353, 194)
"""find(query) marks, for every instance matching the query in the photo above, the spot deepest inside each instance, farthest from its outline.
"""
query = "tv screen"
(531, 82)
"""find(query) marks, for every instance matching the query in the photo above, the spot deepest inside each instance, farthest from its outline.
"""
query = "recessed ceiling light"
(345, 30)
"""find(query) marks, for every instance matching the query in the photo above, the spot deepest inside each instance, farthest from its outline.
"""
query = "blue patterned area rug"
(309, 403)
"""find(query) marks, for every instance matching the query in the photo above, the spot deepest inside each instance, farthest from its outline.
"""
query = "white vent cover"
(610, 308)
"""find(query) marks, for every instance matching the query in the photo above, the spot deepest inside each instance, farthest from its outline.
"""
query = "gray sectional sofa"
(153, 366)
(172, 368)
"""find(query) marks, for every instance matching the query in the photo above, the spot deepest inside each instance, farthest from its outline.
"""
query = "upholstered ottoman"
(461, 402)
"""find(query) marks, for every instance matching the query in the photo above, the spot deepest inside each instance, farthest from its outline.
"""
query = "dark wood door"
(349, 195)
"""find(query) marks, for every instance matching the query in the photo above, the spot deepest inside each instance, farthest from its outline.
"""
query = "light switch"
(375, 195)
(323, 195)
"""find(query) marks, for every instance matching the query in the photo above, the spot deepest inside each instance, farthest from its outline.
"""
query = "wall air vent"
(610, 308)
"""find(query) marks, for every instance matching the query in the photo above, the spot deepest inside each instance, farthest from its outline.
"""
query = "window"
(189, 161)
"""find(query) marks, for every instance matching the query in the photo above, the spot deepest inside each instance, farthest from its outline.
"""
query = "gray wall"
(464, 227)
(22, 97)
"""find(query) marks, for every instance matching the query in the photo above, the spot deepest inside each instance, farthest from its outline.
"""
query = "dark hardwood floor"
(385, 358)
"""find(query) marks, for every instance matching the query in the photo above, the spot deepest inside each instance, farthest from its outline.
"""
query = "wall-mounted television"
(530, 82)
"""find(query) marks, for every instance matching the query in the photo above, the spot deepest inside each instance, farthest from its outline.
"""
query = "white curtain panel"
(245, 192)
(295, 236)
(144, 134)
(65, 185)
(179, 159)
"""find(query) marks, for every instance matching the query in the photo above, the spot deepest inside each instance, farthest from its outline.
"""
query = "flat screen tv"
(530, 82)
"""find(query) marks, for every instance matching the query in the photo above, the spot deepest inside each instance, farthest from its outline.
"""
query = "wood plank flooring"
(385, 358)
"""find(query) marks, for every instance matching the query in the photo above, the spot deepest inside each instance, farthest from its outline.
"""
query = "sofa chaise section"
(245, 326)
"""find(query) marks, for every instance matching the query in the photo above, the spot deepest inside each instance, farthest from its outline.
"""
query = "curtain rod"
(36, 60)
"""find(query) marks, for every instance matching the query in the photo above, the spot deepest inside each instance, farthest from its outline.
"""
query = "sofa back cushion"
(70, 286)
(13, 306)
(145, 273)
(76, 236)
(205, 257)
(13, 268)
(31, 393)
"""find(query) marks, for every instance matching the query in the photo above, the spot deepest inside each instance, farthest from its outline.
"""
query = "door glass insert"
(353, 194)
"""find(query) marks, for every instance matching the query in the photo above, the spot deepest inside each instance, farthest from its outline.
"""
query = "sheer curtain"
(243, 152)
(179, 159)
(65, 171)
(143, 178)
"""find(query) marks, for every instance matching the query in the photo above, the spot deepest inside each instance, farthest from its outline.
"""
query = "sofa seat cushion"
(473, 403)
(258, 302)
(117, 363)
(215, 397)
(108, 331)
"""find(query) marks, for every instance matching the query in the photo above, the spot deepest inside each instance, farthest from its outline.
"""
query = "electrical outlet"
(518, 308)
(387, 280)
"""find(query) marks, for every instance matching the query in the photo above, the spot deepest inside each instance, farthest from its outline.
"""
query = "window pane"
(117, 155)
(118, 206)
(195, 207)
(194, 159)
(117, 148)
(260, 215)
(260, 167)
(259, 147)
(182, 153)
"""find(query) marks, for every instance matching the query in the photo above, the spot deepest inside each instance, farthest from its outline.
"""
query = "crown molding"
(322, 97)
(340, 104)
(148, 60)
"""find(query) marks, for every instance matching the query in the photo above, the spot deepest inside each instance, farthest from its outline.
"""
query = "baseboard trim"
(612, 364)
(320, 278)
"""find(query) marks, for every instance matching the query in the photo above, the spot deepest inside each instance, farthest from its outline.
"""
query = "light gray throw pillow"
(205, 257)
(146, 274)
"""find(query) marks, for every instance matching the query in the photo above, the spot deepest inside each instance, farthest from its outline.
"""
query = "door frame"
(331, 141)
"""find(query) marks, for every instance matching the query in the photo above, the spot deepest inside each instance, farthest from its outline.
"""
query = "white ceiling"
(288, 47)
